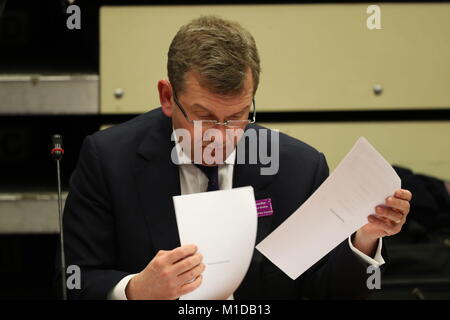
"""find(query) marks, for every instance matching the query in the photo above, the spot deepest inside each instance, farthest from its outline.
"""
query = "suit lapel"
(251, 284)
(250, 175)
(157, 180)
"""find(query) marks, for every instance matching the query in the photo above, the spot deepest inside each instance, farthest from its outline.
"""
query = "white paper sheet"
(339, 207)
(223, 225)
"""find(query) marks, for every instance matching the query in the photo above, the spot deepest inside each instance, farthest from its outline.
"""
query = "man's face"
(200, 104)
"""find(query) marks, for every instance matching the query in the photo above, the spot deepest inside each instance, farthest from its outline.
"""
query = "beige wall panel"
(421, 146)
(314, 57)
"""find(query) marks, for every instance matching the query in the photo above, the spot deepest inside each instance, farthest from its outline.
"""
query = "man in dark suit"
(119, 219)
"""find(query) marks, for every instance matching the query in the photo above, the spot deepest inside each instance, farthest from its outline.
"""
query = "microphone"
(57, 154)
(57, 150)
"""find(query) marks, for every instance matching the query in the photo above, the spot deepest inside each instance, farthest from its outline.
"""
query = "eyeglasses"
(211, 123)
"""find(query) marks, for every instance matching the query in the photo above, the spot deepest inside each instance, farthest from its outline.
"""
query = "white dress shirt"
(193, 180)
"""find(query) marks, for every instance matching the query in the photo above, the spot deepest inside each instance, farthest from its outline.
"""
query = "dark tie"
(213, 176)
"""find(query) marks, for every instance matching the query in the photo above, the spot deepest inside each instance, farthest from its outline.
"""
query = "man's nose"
(220, 139)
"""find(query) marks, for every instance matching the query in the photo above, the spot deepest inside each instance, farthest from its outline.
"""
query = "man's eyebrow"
(243, 110)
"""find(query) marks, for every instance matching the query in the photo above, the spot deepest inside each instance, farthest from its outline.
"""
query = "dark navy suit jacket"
(119, 213)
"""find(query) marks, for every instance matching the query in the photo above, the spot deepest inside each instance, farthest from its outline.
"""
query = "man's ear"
(165, 97)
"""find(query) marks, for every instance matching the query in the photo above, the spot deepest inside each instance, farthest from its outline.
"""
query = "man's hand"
(387, 221)
(169, 275)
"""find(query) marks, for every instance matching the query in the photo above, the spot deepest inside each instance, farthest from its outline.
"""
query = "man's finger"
(389, 227)
(403, 194)
(398, 204)
(390, 214)
(185, 289)
(181, 253)
(191, 274)
(187, 263)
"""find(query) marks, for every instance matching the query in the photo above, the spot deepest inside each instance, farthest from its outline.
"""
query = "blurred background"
(331, 72)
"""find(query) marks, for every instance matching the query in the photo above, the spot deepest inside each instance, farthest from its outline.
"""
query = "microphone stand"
(57, 153)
